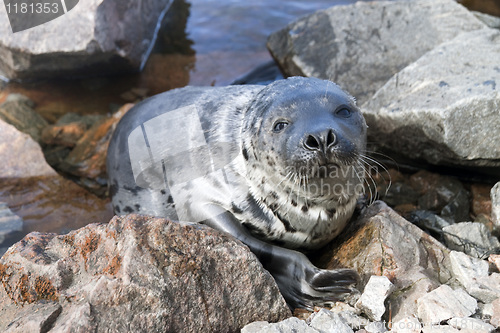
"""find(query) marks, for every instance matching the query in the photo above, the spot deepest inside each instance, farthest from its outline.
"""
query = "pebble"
(372, 300)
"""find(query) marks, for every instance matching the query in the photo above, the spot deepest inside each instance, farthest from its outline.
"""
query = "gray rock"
(495, 205)
(376, 327)
(38, 317)
(139, 274)
(445, 303)
(325, 321)
(408, 324)
(467, 269)
(490, 20)
(18, 111)
(95, 37)
(442, 113)
(361, 46)
(472, 324)
(288, 325)
(439, 329)
(472, 273)
(372, 300)
(471, 238)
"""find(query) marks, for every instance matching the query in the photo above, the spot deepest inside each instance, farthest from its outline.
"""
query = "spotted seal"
(278, 167)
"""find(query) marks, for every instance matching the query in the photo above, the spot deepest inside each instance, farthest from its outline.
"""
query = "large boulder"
(135, 274)
(361, 46)
(443, 108)
(96, 36)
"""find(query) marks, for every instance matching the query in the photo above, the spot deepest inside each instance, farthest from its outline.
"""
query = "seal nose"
(321, 141)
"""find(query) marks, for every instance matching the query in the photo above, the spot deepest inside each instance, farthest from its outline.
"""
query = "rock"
(17, 110)
(372, 245)
(481, 201)
(495, 319)
(409, 324)
(495, 205)
(350, 315)
(107, 36)
(439, 329)
(361, 46)
(372, 300)
(376, 327)
(473, 324)
(443, 114)
(139, 274)
(63, 135)
(88, 158)
(472, 273)
(400, 193)
(325, 321)
(471, 238)
(36, 193)
(495, 259)
(36, 317)
(288, 325)
(445, 303)
(428, 221)
(490, 20)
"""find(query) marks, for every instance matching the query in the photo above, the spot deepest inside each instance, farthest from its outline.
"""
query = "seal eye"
(344, 112)
(279, 126)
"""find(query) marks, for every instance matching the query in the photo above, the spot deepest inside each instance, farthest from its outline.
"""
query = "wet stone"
(18, 111)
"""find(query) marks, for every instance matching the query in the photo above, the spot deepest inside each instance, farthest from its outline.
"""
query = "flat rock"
(372, 244)
(327, 321)
(444, 303)
(36, 193)
(361, 46)
(441, 113)
(139, 274)
(103, 36)
(408, 324)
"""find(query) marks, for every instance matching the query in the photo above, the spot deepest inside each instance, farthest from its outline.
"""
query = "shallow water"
(203, 42)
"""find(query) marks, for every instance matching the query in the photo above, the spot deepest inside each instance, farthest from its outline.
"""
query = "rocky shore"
(424, 238)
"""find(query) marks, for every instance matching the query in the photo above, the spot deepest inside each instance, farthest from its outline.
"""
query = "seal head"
(303, 140)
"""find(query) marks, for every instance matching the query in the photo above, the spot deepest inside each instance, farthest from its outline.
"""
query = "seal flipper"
(302, 284)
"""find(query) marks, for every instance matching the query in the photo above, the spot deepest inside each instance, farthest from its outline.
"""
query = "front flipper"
(302, 284)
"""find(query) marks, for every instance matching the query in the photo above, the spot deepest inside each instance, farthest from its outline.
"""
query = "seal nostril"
(331, 139)
(312, 143)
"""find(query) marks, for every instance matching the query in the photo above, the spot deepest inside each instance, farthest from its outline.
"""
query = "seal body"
(278, 167)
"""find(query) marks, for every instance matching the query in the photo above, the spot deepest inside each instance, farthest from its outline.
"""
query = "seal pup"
(278, 167)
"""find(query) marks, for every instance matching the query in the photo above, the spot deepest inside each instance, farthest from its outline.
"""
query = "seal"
(279, 167)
